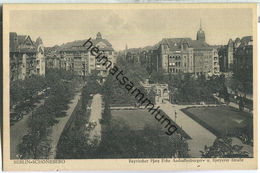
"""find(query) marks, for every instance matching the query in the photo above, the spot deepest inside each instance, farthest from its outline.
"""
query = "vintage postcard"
(129, 86)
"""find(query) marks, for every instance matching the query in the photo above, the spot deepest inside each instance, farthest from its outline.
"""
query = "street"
(18, 130)
(232, 104)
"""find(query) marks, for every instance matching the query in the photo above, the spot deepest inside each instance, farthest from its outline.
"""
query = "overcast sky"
(136, 28)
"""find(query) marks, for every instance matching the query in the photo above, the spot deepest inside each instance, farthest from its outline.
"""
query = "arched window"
(165, 92)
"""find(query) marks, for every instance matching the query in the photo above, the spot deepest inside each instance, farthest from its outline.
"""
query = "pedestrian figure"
(175, 115)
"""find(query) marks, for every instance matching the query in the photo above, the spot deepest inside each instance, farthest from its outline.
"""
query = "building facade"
(226, 56)
(26, 57)
(243, 59)
(52, 57)
(236, 54)
(75, 57)
(184, 55)
(107, 49)
(133, 55)
(40, 57)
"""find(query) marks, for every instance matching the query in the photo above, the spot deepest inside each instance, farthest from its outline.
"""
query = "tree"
(34, 144)
(244, 79)
(75, 145)
(225, 94)
(120, 141)
(241, 104)
(157, 77)
(107, 88)
(106, 116)
(223, 148)
(28, 148)
(85, 97)
(151, 95)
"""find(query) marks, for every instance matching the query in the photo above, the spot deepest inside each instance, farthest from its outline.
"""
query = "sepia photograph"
(140, 86)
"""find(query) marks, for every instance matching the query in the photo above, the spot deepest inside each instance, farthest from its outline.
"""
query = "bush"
(223, 148)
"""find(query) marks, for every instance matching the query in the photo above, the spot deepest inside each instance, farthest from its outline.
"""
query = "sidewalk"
(200, 135)
(57, 129)
(96, 116)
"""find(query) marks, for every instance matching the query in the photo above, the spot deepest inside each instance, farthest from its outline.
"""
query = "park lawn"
(135, 119)
(221, 120)
(137, 134)
(138, 120)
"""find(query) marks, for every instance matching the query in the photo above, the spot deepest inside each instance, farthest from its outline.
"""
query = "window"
(77, 57)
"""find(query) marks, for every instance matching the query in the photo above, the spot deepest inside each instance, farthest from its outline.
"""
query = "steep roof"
(196, 44)
(175, 43)
(246, 40)
(15, 42)
(21, 39)
(69, 45)
(78, 45)
(146, 48)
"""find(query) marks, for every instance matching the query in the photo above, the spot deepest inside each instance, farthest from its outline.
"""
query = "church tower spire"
(201, 34)
(99, 36)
